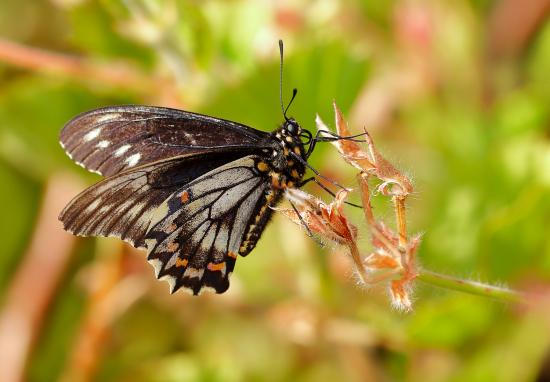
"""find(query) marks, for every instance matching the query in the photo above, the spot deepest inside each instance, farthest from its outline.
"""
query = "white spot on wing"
(121, 150)
(193, 272)
(92, 134)
(132, 160)
(190, 138)
(187, 291)
(107, 117)
(207, 290)
(93, 205)
(157, 265)
(103, 144)
(171, 281)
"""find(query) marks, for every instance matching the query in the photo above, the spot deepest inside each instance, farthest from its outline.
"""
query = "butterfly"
(193, 190)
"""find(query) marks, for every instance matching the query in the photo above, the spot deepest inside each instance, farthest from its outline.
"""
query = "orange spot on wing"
(262, 166)
(233, 255)
(184, 197)
(216, 267)
(181, 262)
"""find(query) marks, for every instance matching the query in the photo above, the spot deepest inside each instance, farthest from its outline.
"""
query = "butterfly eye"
(292, 127)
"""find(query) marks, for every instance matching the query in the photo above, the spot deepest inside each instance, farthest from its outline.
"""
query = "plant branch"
(115, 73)
(357, 259)
(399, 205)
(469, 286)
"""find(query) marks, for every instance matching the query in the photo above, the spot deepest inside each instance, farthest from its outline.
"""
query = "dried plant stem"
(469, 286)
(363, 180)
(39, 60)
(357, 259)
(399, 205)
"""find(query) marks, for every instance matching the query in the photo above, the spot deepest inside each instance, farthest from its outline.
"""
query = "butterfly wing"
(113, 139)
(122, 205)
(196, 234)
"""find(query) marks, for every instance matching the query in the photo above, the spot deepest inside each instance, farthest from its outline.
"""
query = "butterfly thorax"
(284, 166)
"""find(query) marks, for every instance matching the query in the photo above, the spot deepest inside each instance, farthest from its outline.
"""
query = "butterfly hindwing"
(197, 233)
(113, 139)
(123, 205)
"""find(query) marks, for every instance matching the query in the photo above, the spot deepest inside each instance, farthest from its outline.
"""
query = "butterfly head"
(292, 128)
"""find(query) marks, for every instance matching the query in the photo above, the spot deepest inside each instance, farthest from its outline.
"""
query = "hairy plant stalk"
(399, 205)
(469, 286)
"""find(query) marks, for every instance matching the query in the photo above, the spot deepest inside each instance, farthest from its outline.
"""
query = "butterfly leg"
(313, 179)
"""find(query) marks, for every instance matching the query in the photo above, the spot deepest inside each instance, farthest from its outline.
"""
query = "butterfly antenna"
(294, 91)
(281, 79)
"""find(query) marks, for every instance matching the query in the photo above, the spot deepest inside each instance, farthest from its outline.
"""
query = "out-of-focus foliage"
(449, 95)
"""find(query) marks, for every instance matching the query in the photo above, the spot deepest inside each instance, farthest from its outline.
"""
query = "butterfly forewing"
(196, 234)
(113, 139)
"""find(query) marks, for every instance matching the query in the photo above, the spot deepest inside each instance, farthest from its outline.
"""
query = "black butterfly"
(193, 190)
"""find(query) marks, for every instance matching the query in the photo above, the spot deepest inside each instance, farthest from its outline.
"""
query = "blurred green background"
(457, 93)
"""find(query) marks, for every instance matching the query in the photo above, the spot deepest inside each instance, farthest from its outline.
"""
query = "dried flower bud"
(327, 220)
(371, 161)
(400, 295)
